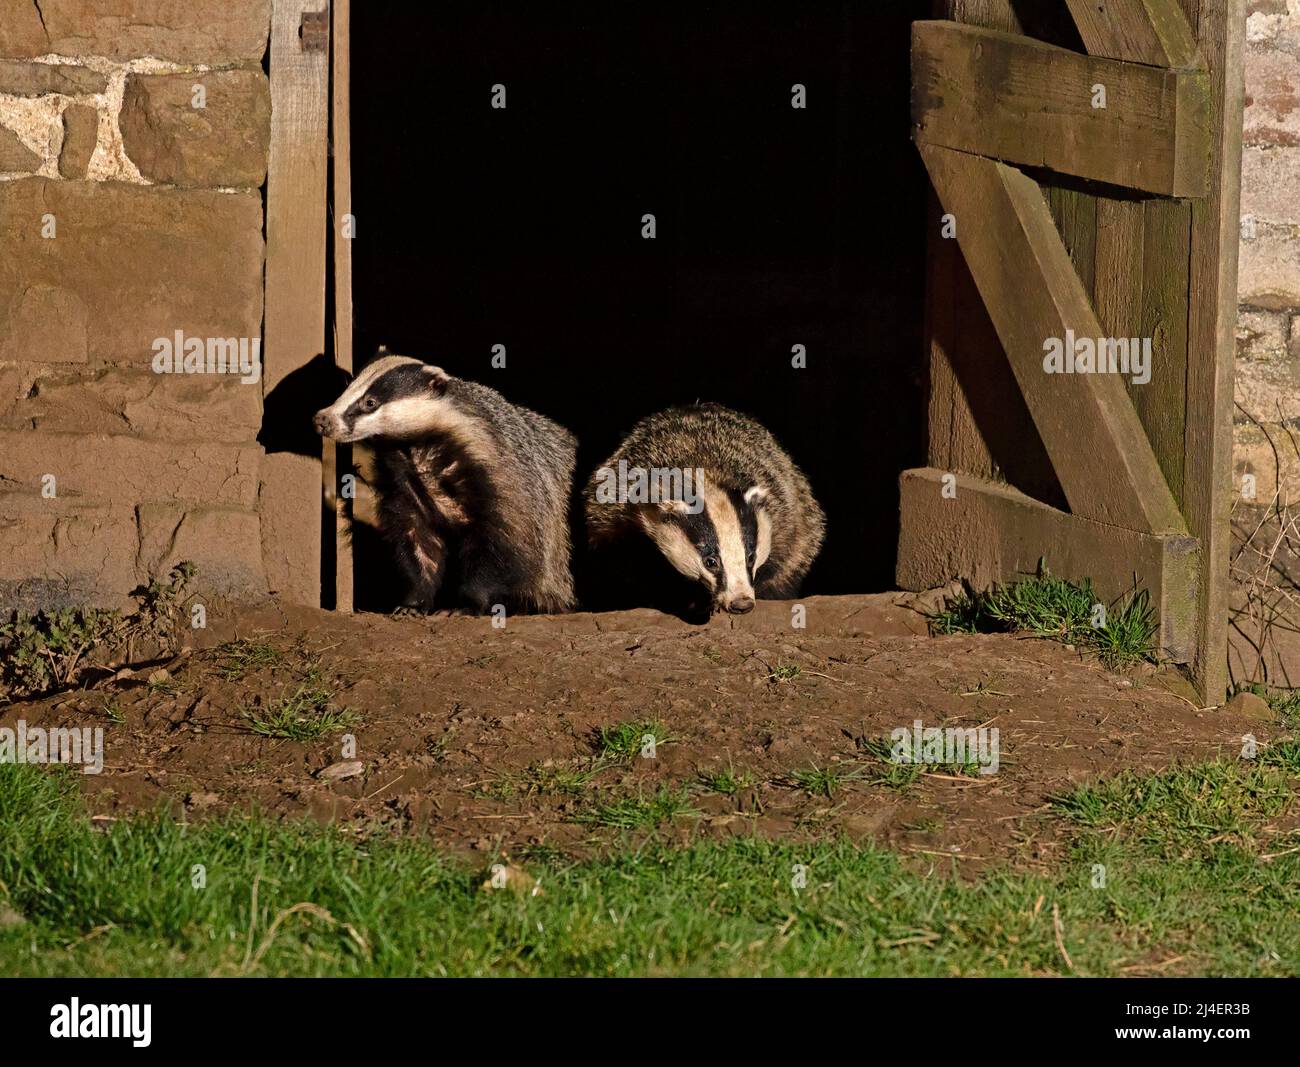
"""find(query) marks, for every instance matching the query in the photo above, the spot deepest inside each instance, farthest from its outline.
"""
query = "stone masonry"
(1268, 325)
(133, 145)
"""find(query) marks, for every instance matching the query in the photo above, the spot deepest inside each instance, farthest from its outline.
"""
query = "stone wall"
(1268, 325)
(133, 145)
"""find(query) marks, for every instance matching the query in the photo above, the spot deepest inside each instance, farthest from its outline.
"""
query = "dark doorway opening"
(776, 227)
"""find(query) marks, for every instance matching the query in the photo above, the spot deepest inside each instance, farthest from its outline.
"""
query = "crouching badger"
(709, 492)
(473, 491)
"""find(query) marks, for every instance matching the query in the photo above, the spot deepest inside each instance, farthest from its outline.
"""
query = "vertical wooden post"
(341, 145)
(295, 282)
(1220, 27)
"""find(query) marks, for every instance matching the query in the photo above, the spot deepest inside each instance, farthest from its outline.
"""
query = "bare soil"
(463, 726)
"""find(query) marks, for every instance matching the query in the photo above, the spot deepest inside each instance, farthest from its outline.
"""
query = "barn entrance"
(780, 229)
(1073, 174)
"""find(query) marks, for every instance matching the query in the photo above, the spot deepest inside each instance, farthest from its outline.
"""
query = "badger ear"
(437, 379)
(756, 496)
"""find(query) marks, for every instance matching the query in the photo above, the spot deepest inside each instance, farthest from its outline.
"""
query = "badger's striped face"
(722, 547)
(394, 397)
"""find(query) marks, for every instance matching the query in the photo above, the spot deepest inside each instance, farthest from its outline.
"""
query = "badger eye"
(711, 562)
(369, 403)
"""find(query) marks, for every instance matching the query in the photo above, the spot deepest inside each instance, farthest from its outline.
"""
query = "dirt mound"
(491, 738)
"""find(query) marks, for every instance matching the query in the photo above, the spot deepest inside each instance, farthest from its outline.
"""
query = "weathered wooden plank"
(295, 289)
(1087, 424)
(1161, 402)
(1075, 213)
(988, 533)
(1140, 31)
(1011, 98)
(957, 324)
(1207, 492)
(341, 204)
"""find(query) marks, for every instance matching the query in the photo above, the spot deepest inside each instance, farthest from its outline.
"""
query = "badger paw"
(411, 611)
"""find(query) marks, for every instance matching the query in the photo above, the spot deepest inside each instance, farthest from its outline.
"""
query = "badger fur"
(732, 515)
(473, 490)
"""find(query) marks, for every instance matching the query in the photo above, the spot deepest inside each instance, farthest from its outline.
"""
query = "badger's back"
(735, 452)
(529, 461)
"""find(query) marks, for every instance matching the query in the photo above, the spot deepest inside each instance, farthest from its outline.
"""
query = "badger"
(473, 491)
(710, 492)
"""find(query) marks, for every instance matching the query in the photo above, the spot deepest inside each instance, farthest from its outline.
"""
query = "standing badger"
(710, 492)
(473, 491)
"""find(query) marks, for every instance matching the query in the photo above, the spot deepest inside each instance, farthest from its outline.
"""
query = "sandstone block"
(117, 469)
(80, 135)
(223, 143)
(127, 265)
(185, 31)
(38, 79)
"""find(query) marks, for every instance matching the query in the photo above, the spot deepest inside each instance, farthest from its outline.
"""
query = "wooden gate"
(1086, 168)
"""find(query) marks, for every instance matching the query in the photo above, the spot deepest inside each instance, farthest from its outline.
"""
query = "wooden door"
(1085, 159)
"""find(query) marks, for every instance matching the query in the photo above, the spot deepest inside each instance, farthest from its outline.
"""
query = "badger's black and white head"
(394, 397)
(721, 546)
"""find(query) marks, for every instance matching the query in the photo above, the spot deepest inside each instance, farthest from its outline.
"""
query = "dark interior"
(776, 227)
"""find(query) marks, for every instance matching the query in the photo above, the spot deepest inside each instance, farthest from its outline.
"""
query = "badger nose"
(741, 605)
(322, 422)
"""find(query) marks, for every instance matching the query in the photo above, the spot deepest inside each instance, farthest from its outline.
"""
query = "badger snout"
(325, 423)
(739, 605)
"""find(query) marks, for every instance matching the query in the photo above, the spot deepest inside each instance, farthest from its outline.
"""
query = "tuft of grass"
(244, 655)
(727, 782)
(901, 774)
(822, 781)
(303, 715)
(168, 686)
(639, 812)
(537, 780)
(1048, 606)
(623, 741)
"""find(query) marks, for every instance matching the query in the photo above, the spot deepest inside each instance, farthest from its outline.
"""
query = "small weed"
(727, 782)
(784, 672)
(822, 781)
(242, 656)
(638, 812)
(538, 780)
(624, 740)
(303, 715)
(901, 773)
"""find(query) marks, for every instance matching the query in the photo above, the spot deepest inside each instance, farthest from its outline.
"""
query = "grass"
(625, 740)
(727, 782)
(1201, 876)
(1122, 635)
(244, 655)
(639, 811)
(540, 780)
(901, 774)
(822, 781)
(305, 714)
